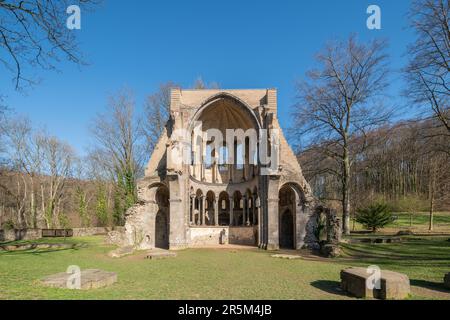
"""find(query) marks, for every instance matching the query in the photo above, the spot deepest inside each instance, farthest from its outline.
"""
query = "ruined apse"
(199, 190)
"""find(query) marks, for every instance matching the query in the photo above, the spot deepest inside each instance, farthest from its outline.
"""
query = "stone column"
(254, 210)
(231, 210)
(248, 212)
(302, 214)
(273, 232)
(192, 210)
(244, 209)
(333, 227)
(177, 218)
(216, 211)
(260, 231)
(203, 200)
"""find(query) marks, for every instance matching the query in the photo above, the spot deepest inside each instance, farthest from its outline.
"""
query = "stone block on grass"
(160, 254)
(89, 279)
(394, 285)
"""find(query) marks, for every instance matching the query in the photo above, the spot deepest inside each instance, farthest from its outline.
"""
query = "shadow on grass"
(437, 286)
(329, 286)
(36, 251)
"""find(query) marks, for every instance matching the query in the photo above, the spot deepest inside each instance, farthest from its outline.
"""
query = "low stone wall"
(207, 236)
(20, 234)
(85, 232)
(243, 235)
(213, 236)
(34, 234)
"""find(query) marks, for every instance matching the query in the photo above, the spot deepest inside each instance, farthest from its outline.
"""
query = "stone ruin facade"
(215, 201)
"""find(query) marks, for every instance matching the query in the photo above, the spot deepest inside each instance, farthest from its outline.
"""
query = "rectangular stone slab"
(90, 279)
(394, 285)
(160, 254)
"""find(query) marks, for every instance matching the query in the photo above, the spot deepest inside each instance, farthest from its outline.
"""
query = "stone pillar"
(254, 210)
(216, 211)
(202, 212)
(302, 215)
(177, 218)
(244, 210)
(273, 225)
(258, 212)
(231, 210)
(247, 214)
(333, 227)
(192, 210)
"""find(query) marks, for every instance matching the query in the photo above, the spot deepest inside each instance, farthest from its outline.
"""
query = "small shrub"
(375, 216)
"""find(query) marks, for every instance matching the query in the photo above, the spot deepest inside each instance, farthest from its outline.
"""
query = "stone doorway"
(286, 231)
(162, 222)
(161, 230)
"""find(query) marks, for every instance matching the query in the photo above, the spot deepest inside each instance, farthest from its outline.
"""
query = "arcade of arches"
(223, 196)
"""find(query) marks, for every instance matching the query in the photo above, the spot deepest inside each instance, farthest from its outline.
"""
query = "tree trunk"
(346, 193)
(431, 193)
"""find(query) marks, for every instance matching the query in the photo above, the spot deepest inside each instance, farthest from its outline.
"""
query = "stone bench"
(447, 280)
(394, 285)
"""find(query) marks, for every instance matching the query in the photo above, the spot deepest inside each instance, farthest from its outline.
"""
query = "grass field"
(222, 273)
(417, 222)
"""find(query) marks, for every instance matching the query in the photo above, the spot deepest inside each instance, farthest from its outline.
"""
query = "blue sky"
(239, 44)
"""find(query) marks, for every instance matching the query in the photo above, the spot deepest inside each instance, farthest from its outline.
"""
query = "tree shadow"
(329, 286)
(437, 286)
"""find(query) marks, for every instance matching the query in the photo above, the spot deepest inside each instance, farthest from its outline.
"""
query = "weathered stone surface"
(121, 252)
(333, 227)
(286, 256)
(20, 234)
(90, 279)
(394, 285)
(160, 254)
(447, 280)
(330, 250)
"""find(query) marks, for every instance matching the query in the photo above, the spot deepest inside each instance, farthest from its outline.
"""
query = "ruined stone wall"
(206, 236)
(243, 235)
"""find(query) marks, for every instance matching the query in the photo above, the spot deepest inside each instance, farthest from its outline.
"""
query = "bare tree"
(200, 84)
(119, 146)
(33, 33)
(156, 114)
(25, 149)
(58, 164)
(428, 72)
(339, 103)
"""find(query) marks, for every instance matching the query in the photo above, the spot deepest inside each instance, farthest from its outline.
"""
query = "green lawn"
(219, 273)
(417, 222)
